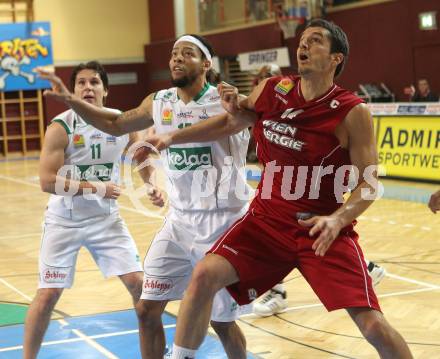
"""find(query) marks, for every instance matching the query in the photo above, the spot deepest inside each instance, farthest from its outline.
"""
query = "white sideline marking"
(79, 339)
(409, 280)
(10, 286)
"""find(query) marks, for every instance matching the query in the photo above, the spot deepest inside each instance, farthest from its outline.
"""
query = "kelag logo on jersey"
(284, 86)
(101, 172)
(167, 116)
(189, 158)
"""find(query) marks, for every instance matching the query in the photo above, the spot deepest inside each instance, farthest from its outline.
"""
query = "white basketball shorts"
(183, 240)
(106, 238)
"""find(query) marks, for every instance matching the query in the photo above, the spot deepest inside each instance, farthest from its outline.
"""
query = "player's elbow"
(47, 184)
(114, 129)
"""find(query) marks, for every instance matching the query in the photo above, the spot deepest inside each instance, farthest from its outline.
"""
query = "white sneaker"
(168, 353)
(272, 303)
(376, 272)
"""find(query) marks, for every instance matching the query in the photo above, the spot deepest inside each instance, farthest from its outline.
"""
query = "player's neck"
(188, 93)
(313, 86)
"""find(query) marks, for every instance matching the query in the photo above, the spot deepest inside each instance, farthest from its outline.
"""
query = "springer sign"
(255, 60)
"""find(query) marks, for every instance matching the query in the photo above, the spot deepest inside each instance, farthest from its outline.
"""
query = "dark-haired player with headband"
(310, 134)
(195, 220)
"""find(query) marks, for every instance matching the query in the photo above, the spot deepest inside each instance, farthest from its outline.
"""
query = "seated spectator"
(267, 71)
(423, 93)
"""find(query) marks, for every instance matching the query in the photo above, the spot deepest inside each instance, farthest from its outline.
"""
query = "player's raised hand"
(112, 190)
(59, 91)
(229, 97)
(328, 229)
(159, 142)
(156, 196)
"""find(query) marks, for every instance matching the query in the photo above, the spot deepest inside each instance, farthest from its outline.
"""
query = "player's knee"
(48, 297)
(203, 280)
(224, 329)
(149, 311)
(133, 282)
(376, 330)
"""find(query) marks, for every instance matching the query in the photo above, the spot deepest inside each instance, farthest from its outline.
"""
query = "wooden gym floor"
(398, 232)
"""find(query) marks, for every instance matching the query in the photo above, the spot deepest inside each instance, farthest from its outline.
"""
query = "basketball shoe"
(376, 272)
(273, 302)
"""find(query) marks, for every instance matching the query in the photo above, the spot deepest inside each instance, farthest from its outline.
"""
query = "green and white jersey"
(207, 175)
(90, 155)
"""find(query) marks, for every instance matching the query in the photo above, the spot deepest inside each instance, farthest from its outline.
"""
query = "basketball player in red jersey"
(309, 133)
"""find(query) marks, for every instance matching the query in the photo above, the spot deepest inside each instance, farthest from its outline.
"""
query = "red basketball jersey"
(304, 164)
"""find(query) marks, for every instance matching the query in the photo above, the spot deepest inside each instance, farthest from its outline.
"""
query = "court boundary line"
(80, 339)
(16, 290)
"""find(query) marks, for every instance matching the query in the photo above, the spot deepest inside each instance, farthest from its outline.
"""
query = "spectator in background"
(423, 93)
(267, 71)
(213, 77)
(434, 202)
(263, 73)
(258, 9)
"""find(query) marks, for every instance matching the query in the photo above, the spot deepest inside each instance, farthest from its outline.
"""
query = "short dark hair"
(91, 65)
(338, 40)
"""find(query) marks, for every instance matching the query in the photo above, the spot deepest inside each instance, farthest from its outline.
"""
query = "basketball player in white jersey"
(193, 222)
(71, 221)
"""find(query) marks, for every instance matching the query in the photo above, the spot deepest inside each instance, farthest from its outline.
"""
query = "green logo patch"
(189, 158)
(102, 172)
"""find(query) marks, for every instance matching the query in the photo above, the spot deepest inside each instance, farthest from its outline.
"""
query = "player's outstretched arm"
(239, 115)
(363, 154)
(101, 118)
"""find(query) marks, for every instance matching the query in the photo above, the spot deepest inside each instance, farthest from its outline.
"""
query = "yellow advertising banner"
(409, 146)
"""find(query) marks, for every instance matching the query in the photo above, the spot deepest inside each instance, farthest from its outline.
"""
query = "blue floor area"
(115, 332)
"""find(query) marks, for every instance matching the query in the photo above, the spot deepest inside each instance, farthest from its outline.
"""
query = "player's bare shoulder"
(359, 115)
(56, 133)
(249, 102)
(357, 120)
(359, 123)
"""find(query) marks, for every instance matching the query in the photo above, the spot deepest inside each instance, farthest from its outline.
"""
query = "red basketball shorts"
(263, 251)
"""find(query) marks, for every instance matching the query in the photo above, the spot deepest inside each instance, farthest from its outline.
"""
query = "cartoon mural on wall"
(23, 47)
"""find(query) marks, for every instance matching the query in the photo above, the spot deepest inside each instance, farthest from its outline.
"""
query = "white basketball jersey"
(205, 175)
(90, 155)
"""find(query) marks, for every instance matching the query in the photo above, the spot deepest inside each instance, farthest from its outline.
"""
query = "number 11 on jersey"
(96, 151)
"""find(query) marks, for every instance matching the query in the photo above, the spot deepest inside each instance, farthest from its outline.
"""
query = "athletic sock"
(183, 353)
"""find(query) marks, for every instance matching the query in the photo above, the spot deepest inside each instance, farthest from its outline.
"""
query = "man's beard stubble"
(184, 81)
